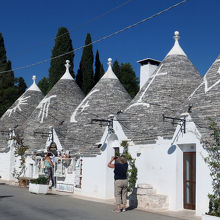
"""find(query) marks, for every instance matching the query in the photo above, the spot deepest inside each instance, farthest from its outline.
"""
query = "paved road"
(18, 204)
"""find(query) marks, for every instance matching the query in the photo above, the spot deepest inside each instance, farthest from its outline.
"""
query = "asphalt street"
(19, 204)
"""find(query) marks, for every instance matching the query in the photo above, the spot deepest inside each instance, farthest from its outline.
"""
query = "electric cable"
(100, 39)
(76, 28)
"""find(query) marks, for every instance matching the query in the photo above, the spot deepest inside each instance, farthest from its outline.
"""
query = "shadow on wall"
(132, 198)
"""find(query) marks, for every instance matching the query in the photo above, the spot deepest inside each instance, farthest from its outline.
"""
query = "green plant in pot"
(41, 180)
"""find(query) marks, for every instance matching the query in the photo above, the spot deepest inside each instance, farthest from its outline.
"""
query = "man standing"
(121, 181)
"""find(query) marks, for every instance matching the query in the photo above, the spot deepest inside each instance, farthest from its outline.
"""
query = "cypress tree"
(86, 67)
(99, 70)
(102, 71)
(7, 78)
(3, 57)
(10, 88)
(63, 44)
(79, 76)
(21, 85)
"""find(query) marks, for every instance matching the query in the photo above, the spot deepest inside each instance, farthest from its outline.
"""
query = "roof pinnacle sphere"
(176, 49)
(67, 74)
(176, 35)
(110, 61)
(34, 78)
(34, 85)
(67, 65)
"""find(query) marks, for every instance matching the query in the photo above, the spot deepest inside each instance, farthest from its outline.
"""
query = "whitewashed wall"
(31, 168)
(5, 159)
(145, 73)
(97, 178)
(7, 162)
(161, 165)
(185, 143)
(157, 167)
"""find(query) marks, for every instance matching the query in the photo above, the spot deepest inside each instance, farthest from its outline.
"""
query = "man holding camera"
(121, 182)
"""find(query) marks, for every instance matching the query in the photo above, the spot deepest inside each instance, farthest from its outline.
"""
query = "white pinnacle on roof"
(176, 50)
(109, 73)
(67, 73)
(34, 86)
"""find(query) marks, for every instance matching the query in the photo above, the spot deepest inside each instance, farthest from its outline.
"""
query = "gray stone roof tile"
(107, 97)
(54, 110)
(164, 93)
(19, 112)
(205, 100)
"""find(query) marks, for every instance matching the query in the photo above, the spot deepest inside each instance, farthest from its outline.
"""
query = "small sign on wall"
(65, 187)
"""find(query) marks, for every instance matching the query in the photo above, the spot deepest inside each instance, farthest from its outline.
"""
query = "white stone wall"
(5, 165)
(203, 179)
(7, 162)
(157, 167)
(145, 73)
(161, 165)
(97, 178)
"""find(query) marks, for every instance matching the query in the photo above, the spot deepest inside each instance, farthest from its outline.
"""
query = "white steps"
(148, 199)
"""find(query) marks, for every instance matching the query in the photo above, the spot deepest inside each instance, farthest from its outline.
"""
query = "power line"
(99, 40)
(77, 27)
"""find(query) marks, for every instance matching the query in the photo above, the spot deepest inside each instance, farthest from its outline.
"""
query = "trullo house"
(148, 123)
(12, 124)
(195, 183)
(52, 113)
(85, 135)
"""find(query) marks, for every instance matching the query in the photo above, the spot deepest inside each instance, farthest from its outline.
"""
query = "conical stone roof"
(205, 100)
(53, 111)
(19, 112)
(164, 93)
(107, 97)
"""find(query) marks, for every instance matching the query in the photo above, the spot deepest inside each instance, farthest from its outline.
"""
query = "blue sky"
(26, 25)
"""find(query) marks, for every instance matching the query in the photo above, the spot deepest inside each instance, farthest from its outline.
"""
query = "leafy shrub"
(213, 161)
(41, 180)
(132, 171)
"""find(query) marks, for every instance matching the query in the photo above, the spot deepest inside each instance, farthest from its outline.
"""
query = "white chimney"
(148, 66)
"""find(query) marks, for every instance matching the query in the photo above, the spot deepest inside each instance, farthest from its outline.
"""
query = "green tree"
(21, 85)
(6, 78)
(116, 69)
(79, 76)
(63, 44)
(86, 67)
(10, 87)
(99, 70)
(212, 146)
(43, 84)
(102, 71)
(127, 77)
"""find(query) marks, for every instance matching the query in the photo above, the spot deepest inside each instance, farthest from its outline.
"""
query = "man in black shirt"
(121, 181)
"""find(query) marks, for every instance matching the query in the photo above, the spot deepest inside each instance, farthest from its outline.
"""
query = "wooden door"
(189, 180)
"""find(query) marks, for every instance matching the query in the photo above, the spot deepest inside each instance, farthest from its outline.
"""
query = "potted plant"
(39, 185)
(213, 161)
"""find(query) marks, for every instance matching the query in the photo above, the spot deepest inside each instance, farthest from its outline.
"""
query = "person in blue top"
(49, 169)
(121, 182)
